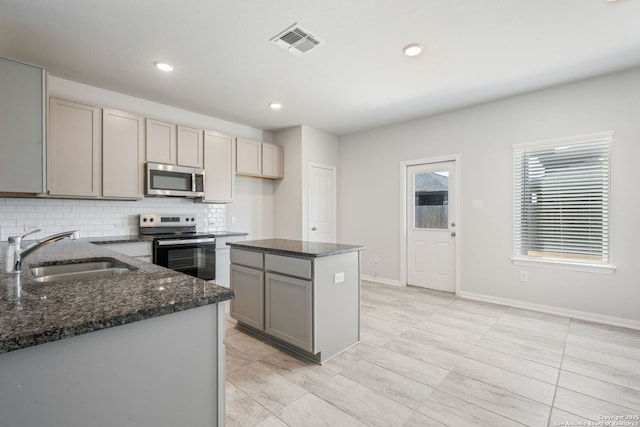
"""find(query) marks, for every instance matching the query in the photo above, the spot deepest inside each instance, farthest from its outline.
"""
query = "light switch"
(338, 277)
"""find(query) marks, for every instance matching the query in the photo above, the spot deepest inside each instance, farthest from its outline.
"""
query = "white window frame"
(542, 259)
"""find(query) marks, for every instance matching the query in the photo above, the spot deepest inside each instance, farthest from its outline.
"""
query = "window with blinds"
(561, 199)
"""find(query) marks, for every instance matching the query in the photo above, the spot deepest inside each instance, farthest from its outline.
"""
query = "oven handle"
(185, 241)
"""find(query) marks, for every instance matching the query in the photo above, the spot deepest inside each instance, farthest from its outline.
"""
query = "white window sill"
(565, 265)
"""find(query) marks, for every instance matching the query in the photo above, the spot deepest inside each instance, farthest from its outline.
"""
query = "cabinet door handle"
(313, 229)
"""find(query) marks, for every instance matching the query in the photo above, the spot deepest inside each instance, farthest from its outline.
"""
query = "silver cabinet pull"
(453, 234)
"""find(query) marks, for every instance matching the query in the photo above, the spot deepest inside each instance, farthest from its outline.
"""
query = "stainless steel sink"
(79, 269)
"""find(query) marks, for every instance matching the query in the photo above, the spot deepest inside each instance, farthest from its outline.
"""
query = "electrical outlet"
(376, 259)
(524, 276)
(338, 277)
(233, 220)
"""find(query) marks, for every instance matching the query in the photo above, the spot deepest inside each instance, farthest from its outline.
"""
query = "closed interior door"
(431, 214)
(322, 210)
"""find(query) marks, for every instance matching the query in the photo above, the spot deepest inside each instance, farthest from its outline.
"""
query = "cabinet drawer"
(287, 265)
(248, 258)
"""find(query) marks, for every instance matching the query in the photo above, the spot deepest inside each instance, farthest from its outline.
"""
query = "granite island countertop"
(35, 313)
(300, 248)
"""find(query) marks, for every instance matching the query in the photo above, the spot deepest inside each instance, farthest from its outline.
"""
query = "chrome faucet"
(15, 253)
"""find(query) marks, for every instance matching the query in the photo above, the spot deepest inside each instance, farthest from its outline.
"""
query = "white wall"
(252, 208)
(317, 147)
(287, 209)
(302, 145)
(369, 195)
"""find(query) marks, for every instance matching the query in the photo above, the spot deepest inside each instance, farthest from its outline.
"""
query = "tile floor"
(432, 359)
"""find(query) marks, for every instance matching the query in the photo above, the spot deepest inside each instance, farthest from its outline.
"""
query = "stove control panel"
(149, 220)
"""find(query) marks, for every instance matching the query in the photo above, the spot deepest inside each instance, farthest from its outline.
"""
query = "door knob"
(313, 229)
(453, 224)
(453, 234)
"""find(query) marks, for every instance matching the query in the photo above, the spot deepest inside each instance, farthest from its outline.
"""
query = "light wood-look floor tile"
(622, 363)
(515, 383)
(525, 367)
(586, 406)
(602, 372)
(428, 358)
(313, 411)
(599, 389)
(562, 418)
(409, 367)
(368, 406)
(524, 351)
(243, 410)
(388, 383)
(452, 411)
(500, 401)
(266, 386)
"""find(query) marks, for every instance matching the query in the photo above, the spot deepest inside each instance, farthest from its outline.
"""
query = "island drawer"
(248, 258)
(297, 267)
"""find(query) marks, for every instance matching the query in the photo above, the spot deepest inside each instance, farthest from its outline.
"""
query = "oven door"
(195, 257)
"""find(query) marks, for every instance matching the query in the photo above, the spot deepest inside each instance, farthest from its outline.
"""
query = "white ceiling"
(225, 66)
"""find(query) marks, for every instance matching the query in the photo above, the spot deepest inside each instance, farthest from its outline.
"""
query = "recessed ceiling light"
(275, 105)
(163, 66)
(412, 49)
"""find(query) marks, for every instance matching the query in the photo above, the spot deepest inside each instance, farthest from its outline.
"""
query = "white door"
(431, 214)
(322, 203)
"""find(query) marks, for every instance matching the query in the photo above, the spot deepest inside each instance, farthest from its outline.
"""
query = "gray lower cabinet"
(309, 304)
(289, 309)
(248, 305)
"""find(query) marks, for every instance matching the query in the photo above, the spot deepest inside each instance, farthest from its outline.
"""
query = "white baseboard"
(575, 314)
(382, 280)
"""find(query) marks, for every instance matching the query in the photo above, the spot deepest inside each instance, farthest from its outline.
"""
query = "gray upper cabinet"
(248, 157)
(272, 161)
(219, 156)
(161, 142)
(74, 156)
(189, 147)
(22, 127)
(122, 155)
(94, 152)
(259, 159)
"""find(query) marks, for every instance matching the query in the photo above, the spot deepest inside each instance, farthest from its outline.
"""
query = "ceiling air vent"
(296, 40)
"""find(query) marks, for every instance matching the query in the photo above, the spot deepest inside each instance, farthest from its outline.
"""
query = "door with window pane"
(431, 225)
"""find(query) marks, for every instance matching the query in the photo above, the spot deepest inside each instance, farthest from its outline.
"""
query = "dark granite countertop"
(35, 313)
(301, 248)
(142, 238)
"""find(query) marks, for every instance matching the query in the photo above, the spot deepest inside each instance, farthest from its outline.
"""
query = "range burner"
(151, 224)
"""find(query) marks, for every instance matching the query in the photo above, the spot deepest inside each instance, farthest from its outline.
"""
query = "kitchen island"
(303, 295)
(144, 347)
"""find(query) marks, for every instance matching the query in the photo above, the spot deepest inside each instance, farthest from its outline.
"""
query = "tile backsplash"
(98, 218)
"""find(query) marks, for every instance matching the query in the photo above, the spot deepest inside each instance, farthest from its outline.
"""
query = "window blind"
(561, 199)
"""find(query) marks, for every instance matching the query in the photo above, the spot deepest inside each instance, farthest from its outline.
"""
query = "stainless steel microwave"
(172, 180)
